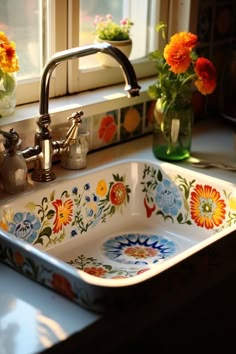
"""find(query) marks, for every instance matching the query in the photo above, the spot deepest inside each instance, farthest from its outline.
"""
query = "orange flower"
(207, 207)
(177, 56)
(179, 68)
(64, 213)
(185, 39)
(178, 52)
(206, 72)
(8, 57)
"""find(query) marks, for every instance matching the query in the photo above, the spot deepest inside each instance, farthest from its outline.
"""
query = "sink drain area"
(125, 255)
(137, 249)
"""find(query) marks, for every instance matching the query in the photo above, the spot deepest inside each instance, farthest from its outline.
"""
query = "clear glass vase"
(172, 133)
(7, 95)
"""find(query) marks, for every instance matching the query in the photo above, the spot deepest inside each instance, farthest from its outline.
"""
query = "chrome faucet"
(44, 150)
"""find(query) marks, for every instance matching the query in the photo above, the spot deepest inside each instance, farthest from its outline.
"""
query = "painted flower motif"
(207, 206)
(64, 214)
(3, 225)
(118, 193)
(91, 209)
(25, 226)
(101, 189)
(139, 249)
(96, 271)
(75, 190)
(142, 270)
(140, 252)
(232, 203)
(19, 259)
(107, 129)
(74, 233)
(62, 286)
(168, 197)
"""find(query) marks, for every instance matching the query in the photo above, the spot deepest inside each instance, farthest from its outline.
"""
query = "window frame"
(66, 78)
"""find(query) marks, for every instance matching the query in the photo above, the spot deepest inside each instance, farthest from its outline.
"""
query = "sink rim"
(113, 283)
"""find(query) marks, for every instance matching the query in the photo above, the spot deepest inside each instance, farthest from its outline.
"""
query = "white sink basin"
(100, 236)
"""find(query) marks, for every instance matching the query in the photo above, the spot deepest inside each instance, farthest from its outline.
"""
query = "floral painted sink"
(99, 236)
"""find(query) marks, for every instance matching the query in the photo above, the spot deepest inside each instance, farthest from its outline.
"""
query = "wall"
(216, 29)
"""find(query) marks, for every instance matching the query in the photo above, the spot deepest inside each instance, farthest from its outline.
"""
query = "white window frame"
(66, 79)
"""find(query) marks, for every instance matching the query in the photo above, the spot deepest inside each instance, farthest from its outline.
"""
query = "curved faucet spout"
(45, 148)
(131, 86)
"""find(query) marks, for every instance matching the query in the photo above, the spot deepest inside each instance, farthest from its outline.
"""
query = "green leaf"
(9, 83)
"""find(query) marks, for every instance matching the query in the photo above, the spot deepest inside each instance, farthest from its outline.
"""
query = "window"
(43, 27)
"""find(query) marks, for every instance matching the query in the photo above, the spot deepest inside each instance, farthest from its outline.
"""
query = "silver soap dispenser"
(13, 168)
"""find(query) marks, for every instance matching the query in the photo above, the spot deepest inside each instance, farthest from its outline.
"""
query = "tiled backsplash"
(115, 126)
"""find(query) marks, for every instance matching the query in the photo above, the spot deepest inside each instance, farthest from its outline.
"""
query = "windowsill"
(91, 102)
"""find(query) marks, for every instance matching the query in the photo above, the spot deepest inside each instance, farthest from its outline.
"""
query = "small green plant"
(107, 29)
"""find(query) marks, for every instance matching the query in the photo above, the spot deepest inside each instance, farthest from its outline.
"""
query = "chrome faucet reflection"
(45, 148)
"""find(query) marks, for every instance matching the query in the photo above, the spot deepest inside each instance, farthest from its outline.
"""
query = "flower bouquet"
(8, 66)
(180, 71)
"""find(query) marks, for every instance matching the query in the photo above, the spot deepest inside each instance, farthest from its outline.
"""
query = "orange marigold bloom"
(186, 39)
(64, 213)
(206, 72)
(8, 58)
(177, 56)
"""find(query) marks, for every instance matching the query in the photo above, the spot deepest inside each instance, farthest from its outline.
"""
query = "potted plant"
(116, 34)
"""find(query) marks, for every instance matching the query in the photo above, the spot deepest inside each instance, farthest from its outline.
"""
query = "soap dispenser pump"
(13, 168)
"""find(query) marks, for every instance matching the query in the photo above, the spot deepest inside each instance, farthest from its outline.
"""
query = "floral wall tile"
(104, 129)
(131, 121)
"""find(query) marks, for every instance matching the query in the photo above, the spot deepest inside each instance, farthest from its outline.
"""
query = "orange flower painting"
(207, 206)
(64, 214)
(107, 129)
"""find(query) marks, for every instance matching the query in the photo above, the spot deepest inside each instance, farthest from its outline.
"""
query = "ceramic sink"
(101, 235)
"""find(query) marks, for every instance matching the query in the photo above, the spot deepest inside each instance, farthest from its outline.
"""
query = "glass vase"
(7, 95)
(172, 133)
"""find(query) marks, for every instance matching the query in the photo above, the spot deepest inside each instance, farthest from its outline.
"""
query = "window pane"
(135, 10)
(21, 21)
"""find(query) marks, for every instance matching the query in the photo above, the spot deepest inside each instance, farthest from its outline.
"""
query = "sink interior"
(113, 227)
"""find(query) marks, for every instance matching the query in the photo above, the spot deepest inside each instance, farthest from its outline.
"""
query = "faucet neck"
(131, 85)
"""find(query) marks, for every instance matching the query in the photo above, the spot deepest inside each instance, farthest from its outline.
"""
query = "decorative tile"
(131, 121)
(104, 129)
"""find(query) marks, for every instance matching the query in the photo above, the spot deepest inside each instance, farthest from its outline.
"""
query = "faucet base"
(40, 175)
